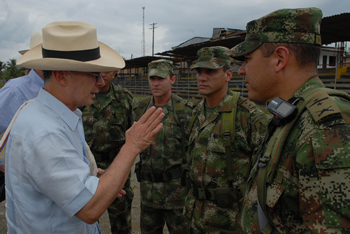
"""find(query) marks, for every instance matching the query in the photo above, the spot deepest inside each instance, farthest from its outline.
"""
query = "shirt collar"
(226, 103)
(71, 118)
(314, 82)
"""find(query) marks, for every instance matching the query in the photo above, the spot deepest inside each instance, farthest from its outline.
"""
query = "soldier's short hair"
(306, 53)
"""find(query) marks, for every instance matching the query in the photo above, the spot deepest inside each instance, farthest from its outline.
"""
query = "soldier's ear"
(173, 79)
(281, 58)
(228, 75)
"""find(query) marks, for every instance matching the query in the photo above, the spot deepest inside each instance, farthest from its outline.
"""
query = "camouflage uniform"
(104, 126)
(207, 157)
(162, 197)
(207, 162)
(164, 155)
(310, 189)
(315, 164)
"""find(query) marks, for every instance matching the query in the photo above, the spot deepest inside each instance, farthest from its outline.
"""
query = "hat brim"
(239, 51)
(110, 60)
(206, 65)
(22, 52)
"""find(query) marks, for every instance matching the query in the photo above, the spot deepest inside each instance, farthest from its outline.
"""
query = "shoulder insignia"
(128, 92)
(260, 121)
(192, 103)
(135, 104)
(245, 103)
(258, 117)
(321, 106)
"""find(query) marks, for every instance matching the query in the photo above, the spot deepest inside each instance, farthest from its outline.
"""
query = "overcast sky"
(119, 23)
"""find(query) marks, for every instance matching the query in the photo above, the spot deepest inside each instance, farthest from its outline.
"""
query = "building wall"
(328, 58)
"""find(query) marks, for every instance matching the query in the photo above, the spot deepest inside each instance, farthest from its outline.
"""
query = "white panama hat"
(71, 46)
(35, 39)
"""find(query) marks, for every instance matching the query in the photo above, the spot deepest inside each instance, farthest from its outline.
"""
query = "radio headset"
(283, 111)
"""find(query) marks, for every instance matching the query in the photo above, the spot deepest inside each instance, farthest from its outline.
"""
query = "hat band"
(297, 37)
(79, 55)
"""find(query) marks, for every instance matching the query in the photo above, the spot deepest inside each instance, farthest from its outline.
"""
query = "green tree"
(12, 70)
(2, 68)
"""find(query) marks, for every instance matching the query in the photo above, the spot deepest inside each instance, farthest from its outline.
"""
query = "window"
(332, 60)
(324, 61)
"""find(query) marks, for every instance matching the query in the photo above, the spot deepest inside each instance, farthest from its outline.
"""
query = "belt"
(214, 193)
(166, 176)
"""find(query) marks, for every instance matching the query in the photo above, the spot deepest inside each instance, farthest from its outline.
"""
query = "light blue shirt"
(47, 175)
(14, 93)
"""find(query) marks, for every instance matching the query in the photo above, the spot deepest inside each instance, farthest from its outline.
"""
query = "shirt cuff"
(81, 199)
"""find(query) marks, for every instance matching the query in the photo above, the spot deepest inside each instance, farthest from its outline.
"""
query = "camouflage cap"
(160, 68)
(300, 25)
(212, 58)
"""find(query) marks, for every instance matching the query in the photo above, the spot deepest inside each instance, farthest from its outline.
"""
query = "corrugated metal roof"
(143, 61)
(334, 28)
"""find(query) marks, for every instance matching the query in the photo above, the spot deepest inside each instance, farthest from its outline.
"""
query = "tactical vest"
(268, 168)
(179, 113)
(223, 196)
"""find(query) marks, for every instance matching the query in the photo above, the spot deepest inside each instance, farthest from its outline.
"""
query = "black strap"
(79, 55)
(2, 186)
(202, 193)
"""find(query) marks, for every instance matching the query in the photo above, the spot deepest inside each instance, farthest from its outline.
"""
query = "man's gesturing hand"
(142, 133)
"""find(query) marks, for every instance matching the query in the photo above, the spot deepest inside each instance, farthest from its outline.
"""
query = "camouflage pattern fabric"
(313, 194)
(164, 154)
(212, 58)
(153, 220)
(104, 126)
(301, 25)
(207, 161)
(160, 68)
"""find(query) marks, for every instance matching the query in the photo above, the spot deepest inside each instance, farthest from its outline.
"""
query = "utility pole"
(143, 33)
(153, 37)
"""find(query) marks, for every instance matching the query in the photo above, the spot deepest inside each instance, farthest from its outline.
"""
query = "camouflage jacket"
(105, 123)
(163, 155)
(207, 160)
(313, 195)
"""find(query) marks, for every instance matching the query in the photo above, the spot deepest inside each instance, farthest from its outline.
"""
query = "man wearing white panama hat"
(48, 186)
(17, 91)
(14, 94)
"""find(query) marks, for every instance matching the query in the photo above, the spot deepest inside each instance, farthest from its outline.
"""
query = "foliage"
(10, 70)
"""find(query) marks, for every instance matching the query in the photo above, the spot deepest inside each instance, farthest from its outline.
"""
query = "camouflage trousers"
(119, 211)
(153, 220)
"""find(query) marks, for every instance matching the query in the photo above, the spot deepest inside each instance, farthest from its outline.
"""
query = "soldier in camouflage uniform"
(303, 184)
(105, 123)
(219, 166)
(162, 195)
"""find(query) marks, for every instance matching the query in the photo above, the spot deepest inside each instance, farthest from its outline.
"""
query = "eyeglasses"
(96, 74)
